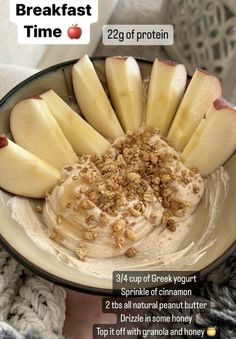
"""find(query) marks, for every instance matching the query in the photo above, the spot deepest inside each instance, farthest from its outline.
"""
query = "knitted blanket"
(30, 307)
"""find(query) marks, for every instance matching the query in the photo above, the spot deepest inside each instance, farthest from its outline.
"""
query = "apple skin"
(214, 140)
(203, 89)
(74, 32)
(221, 103)
(3, 142)
(22, 173)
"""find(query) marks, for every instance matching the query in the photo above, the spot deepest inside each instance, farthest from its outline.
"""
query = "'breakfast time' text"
(55, 22)
(53, 10)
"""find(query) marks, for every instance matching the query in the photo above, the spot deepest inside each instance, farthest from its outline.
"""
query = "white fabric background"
(11, 75)
(10, 51)
(42, 56)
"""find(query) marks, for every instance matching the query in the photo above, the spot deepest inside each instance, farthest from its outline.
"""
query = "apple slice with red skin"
(126, 89)
(3, 142)
(202, 90)
(22, 173)
(93, 100)
(34, 128)
(214, 140)
(165, 91)
(82, 136)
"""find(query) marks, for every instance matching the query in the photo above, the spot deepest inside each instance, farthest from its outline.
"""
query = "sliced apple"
(202, 90)
(214, 140)
(35, 129)
(165, 91)
(93, 100)
(126, 89)
(22, 173)
(83, 137)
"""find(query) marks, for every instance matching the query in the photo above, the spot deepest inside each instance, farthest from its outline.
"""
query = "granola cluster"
(136, 179)
(141, 161)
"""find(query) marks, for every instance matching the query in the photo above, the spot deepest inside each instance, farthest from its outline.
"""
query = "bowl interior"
(13, 236)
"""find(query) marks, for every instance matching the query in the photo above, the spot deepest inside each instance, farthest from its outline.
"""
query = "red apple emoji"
(74, 32)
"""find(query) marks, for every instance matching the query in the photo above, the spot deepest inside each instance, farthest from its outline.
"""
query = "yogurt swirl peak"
(104, 206)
